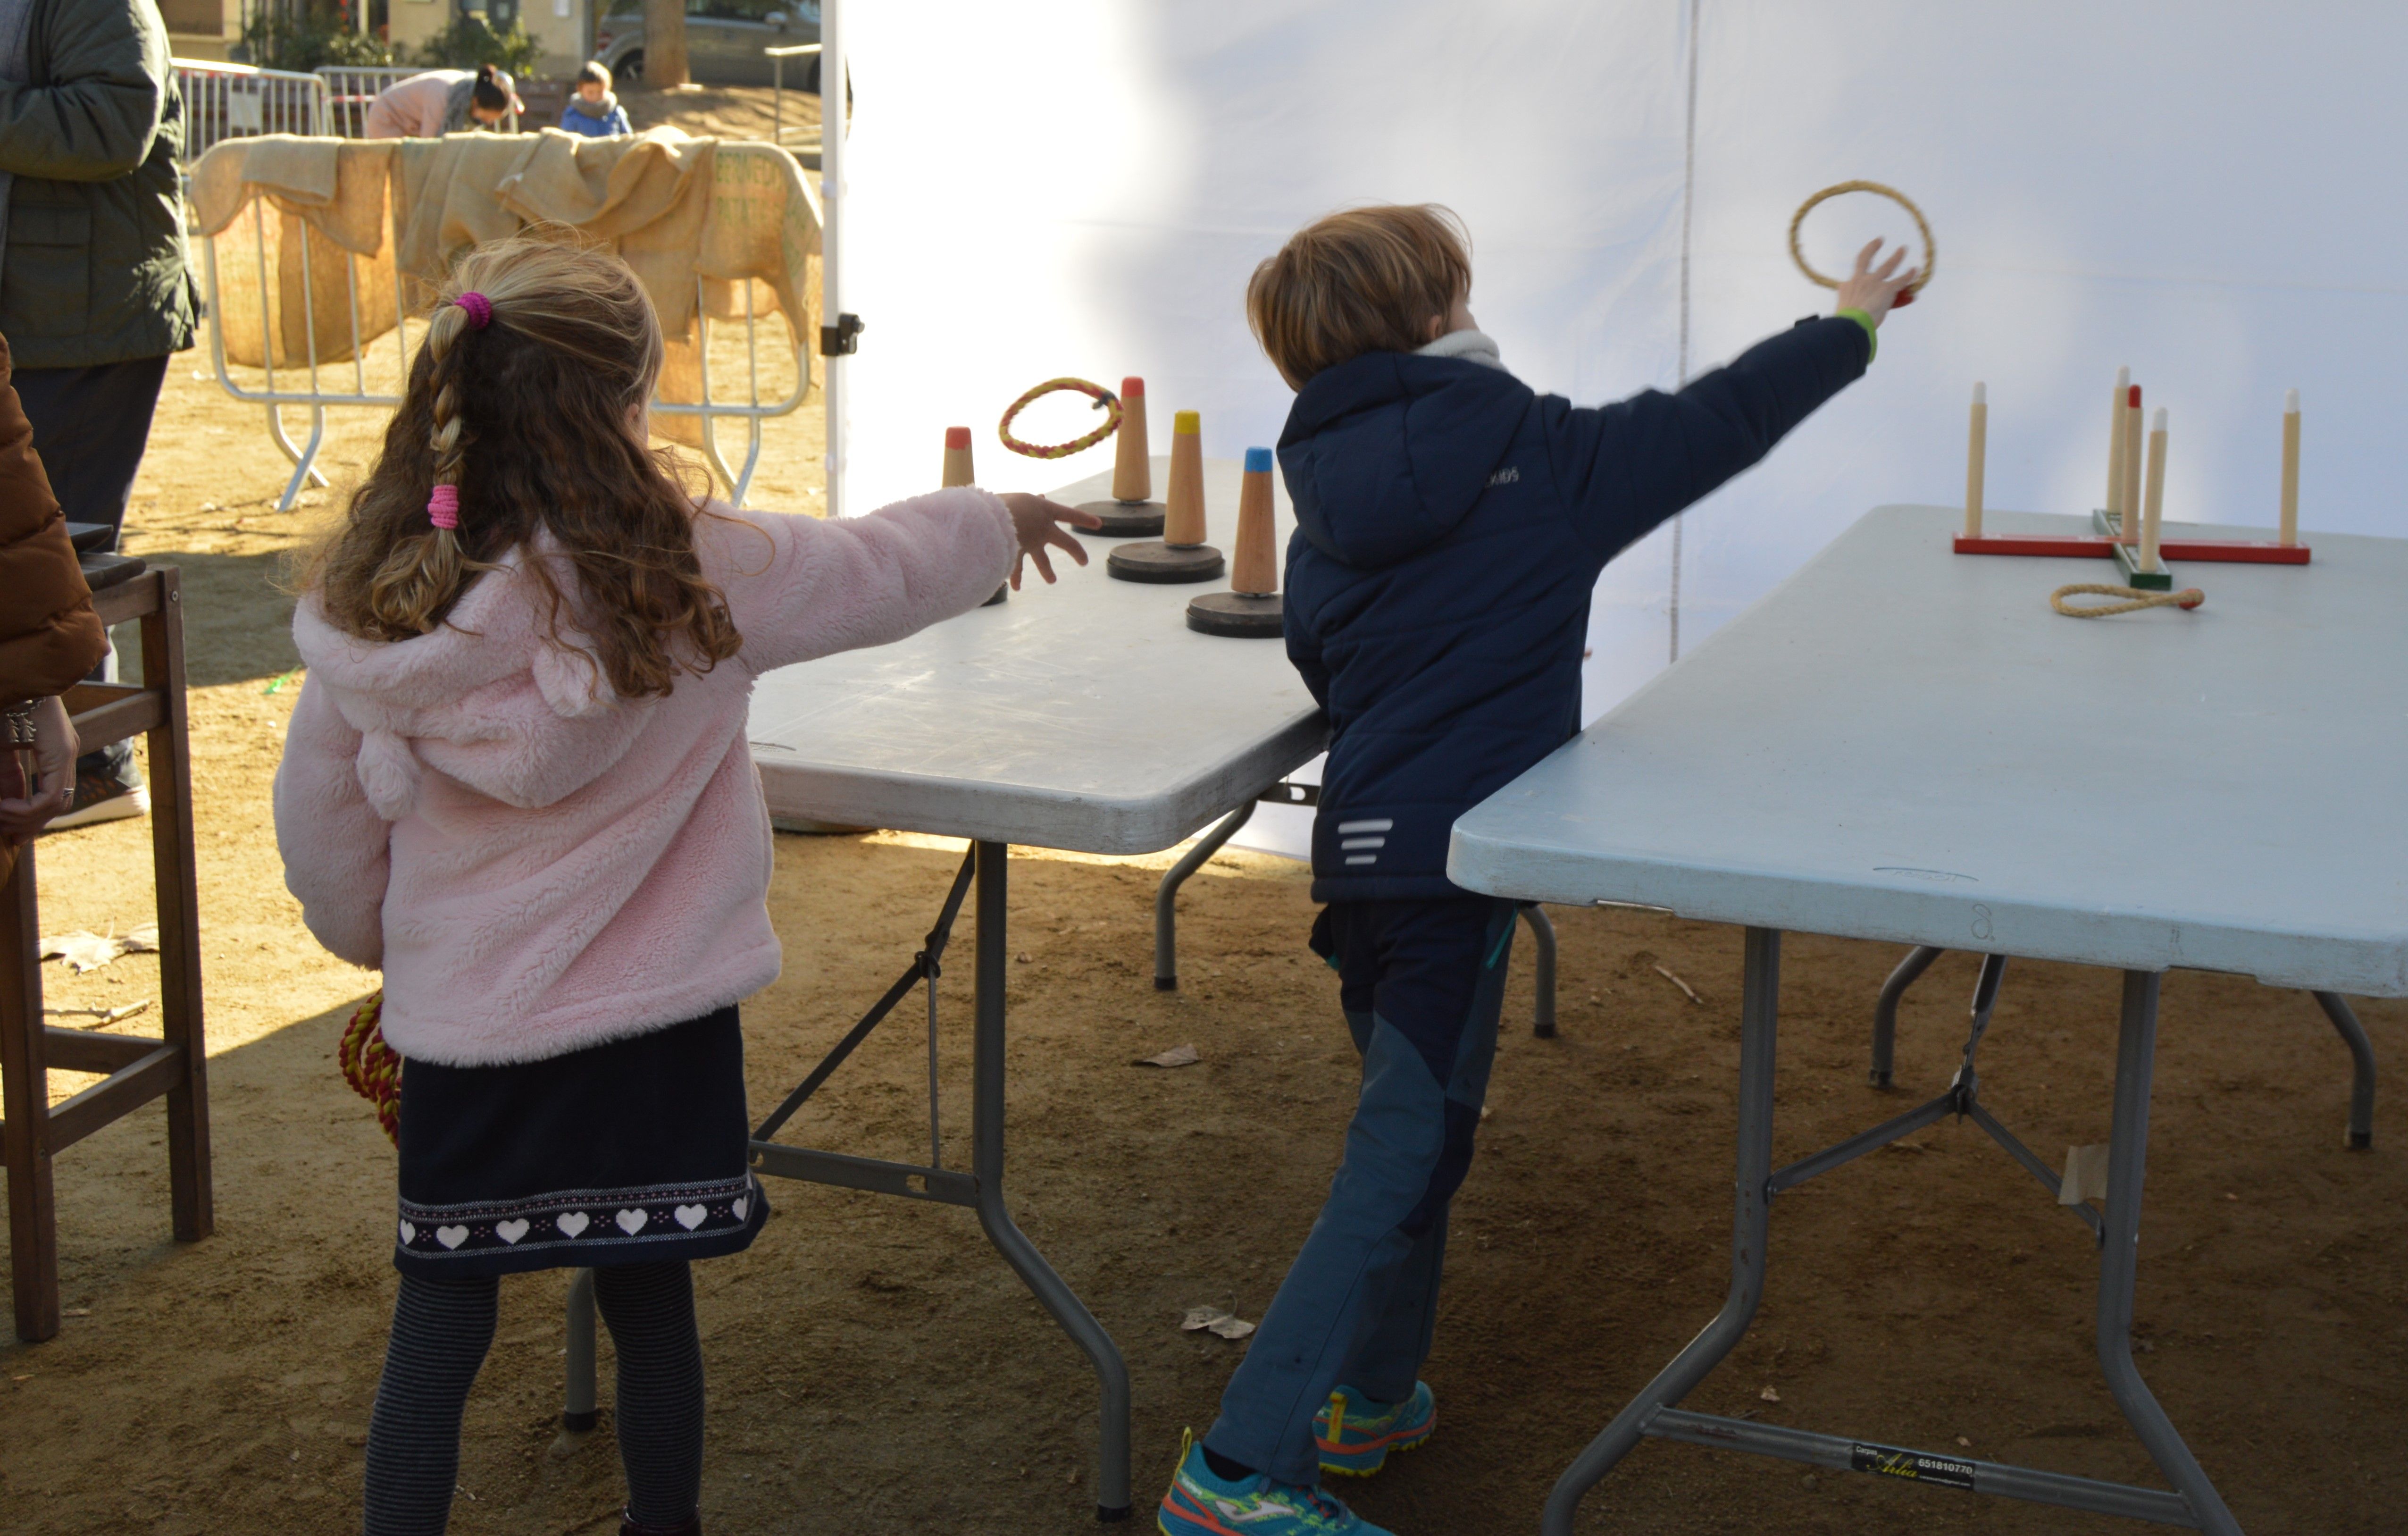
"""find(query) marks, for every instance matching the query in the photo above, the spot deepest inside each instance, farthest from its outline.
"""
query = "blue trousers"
(1421, 983)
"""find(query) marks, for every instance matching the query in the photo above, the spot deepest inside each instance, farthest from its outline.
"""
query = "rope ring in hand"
(1105, 401)
(2134, 599)
(1798, 221)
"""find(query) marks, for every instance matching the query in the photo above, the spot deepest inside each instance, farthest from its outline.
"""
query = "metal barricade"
(350, 88)
(805, 137)
(324, 386)
(233, 100)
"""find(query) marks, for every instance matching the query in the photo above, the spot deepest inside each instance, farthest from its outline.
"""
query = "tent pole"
(832, 68)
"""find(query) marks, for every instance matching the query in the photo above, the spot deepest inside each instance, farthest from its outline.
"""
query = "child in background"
(1449, 526)
(592, 109)
(518, 781)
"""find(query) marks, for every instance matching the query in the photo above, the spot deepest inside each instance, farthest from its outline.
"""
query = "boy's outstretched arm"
(1626, 467)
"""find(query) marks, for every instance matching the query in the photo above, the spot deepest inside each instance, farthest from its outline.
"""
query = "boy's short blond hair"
(1368, 280)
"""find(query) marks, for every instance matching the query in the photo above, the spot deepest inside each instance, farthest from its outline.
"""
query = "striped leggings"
(441, 1330)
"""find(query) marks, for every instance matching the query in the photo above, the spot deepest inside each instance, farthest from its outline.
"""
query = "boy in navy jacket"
(1449, 526)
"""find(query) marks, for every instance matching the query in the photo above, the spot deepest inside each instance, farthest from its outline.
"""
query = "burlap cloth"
(693, 216)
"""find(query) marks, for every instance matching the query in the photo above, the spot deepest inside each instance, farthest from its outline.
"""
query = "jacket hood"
(597, 110)
(490, 698)
(1385, 453)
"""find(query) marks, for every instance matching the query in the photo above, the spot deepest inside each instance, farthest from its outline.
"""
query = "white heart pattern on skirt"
(451, 1237)
(572, 1223)
(510, 1232)
(689, 1216)
(632, 1222)
(742, 1204)
(409, 1234)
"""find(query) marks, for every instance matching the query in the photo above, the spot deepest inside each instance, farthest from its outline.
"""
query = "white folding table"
(1085, 716)
(1902, 743)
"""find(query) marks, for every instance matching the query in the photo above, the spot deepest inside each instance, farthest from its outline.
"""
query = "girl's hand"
(1039, 522)
(1877, 292)
(54, 759)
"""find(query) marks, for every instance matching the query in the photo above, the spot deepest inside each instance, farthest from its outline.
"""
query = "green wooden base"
(2128, 559)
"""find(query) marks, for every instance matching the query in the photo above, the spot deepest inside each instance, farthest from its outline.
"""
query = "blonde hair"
(1367, 279)
(537, 419)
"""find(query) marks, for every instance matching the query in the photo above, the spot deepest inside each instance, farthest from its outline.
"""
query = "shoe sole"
(117, 808)
(1403, 1440)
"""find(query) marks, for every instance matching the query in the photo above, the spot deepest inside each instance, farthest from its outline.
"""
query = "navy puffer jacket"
(1449, 526)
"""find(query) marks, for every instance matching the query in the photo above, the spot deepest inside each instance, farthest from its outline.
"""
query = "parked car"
(723, 39)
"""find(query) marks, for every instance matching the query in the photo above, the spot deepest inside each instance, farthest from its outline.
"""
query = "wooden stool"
(140, 1069)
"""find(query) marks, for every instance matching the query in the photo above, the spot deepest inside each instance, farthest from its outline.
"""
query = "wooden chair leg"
(179, 923)
(24, 1100)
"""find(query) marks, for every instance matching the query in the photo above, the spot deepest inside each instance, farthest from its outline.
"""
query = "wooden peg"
(1253, 569)
(1132, 464)
(1182, 524)
(2153, 509)
(1977, 447)
(2114, 502)
(2289, 533)
(958, 470)
(2131, 503)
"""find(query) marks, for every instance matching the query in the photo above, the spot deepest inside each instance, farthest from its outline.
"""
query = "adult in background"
(49, 636)
(94, 293)
(443, 101)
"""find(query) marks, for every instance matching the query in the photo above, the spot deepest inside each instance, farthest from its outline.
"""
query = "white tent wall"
(1083, 187)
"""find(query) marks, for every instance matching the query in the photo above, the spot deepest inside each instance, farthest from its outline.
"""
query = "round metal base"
(1236, 615)
(1002, 595)
(1125, 519)
(1155, 561)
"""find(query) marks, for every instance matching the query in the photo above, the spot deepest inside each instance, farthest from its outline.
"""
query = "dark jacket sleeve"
(101, 97)
(49, 638)
(1623, 469)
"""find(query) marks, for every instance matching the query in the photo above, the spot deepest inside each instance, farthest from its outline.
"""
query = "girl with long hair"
(517, 782)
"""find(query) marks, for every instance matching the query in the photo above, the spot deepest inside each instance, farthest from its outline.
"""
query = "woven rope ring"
(1921, 227)
(372, 1067)
(1105, 401)
(2134, 599)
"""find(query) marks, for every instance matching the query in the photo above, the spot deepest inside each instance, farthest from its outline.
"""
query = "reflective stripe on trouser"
(1360, 1300)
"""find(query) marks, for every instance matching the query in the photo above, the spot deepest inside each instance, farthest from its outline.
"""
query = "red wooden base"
(2247, 551)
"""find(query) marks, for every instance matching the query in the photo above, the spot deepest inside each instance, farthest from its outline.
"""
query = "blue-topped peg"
(1258, 461)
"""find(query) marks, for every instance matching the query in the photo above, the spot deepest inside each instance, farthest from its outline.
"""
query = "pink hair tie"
(443, 507)
(479, 307)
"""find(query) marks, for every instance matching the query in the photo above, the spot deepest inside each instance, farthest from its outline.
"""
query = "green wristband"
(1872, 332)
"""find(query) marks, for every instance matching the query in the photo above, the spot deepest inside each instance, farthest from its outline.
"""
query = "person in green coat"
(93, 290)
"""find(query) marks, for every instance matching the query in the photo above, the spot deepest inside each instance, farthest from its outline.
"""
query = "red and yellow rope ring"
(372, 1067)
(1921, 227)
(1105, 401)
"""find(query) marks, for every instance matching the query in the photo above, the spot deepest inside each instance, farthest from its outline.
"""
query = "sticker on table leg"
(1946, 1472)
(2085, 1176)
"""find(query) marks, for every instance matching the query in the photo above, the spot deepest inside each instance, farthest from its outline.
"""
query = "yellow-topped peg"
(1181, 553)
(2289, 533)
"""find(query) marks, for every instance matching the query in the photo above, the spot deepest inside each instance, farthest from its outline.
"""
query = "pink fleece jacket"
(538, 866)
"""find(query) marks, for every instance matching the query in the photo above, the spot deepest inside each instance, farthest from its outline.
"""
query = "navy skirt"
(631, 1152)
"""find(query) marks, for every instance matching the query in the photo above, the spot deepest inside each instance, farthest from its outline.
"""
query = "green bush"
(303, 40)
(468, 42)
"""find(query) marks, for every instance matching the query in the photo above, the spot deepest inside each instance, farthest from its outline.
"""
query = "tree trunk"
(664, 43)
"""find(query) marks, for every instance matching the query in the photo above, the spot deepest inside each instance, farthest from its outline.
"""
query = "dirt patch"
(876, 1369)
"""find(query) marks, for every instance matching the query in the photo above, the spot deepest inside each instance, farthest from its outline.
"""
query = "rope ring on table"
(1105, 401)
(1921, 227)
(2134, 599)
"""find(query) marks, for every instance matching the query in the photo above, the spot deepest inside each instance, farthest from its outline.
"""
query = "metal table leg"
(2361, 1056)
(1165, 896)
(986, 1116)
(1759, 1013)
(582, 1409)
(1543, 932)
(1909, 971)
(2127, 1150)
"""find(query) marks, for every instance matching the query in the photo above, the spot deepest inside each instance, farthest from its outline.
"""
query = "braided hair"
(523, 425)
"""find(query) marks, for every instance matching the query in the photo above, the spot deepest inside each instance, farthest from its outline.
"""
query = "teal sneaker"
(1201, 1503)
(1356, 1434)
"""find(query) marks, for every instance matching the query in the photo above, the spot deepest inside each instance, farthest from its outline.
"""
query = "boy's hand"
(1039, 522)
(1876, 292)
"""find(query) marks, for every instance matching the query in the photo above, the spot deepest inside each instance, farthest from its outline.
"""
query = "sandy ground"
(875, 1369)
